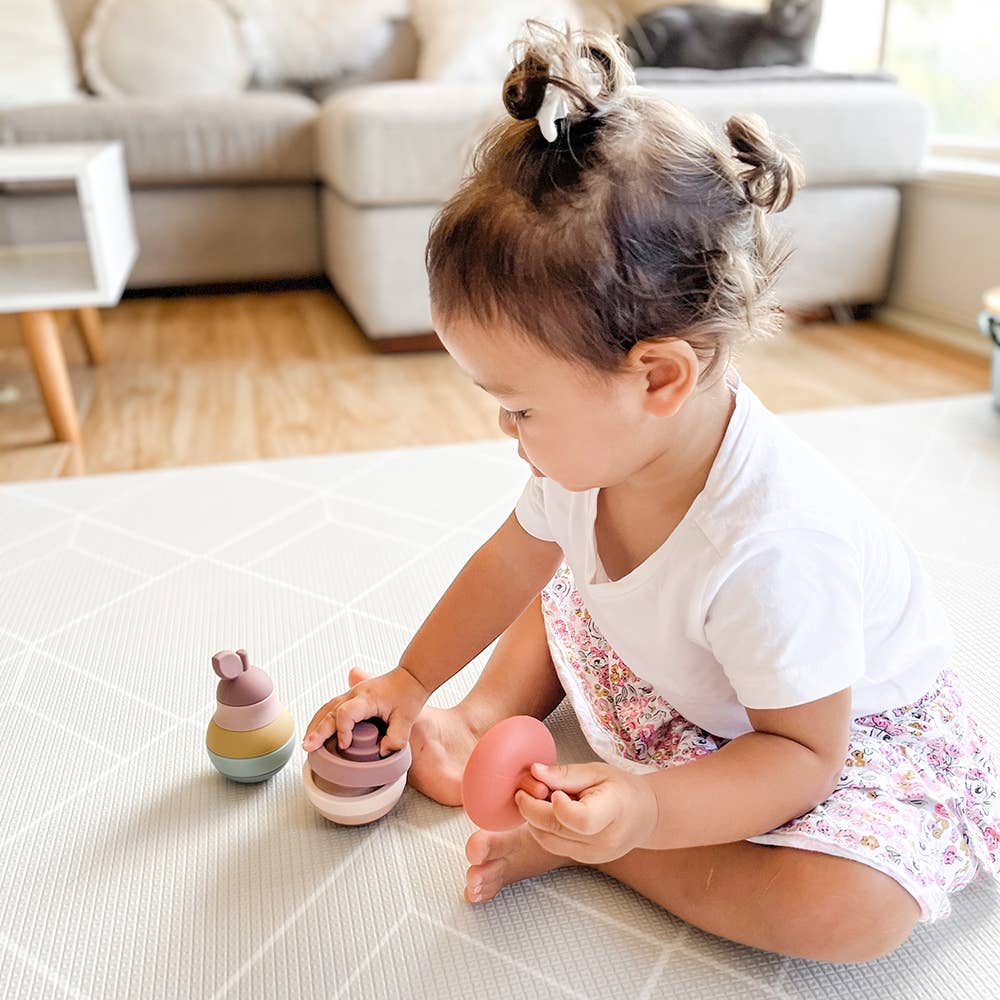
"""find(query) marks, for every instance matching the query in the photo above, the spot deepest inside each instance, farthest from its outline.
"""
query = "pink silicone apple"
(496, 766)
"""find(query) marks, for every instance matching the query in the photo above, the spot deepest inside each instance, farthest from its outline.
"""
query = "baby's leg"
(518, 679)
(780, 899)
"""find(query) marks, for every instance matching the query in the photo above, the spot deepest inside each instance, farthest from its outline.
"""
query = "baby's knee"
(874, 919)
(868, 943)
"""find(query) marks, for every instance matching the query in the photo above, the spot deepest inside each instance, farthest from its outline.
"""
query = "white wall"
(949, 248)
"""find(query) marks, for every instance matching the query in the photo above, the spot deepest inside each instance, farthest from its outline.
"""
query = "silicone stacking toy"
(354, 785)
(496, 766)
(250, 736)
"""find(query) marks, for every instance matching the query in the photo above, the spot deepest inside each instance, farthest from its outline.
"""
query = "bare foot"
(499, 859)
(440, 741)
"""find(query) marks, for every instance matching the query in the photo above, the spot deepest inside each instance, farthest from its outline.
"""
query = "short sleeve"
(530, 510)
(786, 622)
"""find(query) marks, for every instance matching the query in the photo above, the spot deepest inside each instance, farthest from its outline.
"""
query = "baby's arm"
(788, 765)
(497, 583)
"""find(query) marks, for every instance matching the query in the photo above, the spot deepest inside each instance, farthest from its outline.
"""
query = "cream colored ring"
(352, 810)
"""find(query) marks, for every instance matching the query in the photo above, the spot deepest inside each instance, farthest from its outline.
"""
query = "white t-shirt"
(782, 584)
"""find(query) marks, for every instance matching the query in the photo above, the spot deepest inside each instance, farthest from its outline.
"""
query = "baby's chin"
(571, 487)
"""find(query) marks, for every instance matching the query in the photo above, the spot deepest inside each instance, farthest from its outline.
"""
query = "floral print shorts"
(918, 799)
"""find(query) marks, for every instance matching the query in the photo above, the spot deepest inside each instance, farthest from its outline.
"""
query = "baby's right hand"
(395, 697)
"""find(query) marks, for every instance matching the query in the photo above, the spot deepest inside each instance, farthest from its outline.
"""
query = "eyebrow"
(502, 390)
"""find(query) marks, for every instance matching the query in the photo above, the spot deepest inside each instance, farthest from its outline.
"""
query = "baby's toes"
(477, 847)
(483, 882)
(485, 845)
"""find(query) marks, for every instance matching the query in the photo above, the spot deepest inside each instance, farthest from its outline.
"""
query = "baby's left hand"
(615, 811)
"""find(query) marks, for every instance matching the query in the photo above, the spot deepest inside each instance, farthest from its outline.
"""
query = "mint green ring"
(248, 770)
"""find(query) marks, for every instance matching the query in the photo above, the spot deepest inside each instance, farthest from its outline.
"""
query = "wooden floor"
(241, 375)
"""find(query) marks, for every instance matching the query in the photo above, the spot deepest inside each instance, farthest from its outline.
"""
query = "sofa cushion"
(302, 41)
(77, 14)
(159, 48)
(37, 62)
(469, 41)
(254, 136)
(402, 142)
(409, 142)
(397, 62)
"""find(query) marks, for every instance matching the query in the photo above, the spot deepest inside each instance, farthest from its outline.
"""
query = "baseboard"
(405, 344)
(230, 287)
(967, 338)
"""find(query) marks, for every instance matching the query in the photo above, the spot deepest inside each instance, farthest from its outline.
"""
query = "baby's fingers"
(588, 816)
(322, 727)
(350, 711)
(397, 734)
(535, 788)
(325, 722)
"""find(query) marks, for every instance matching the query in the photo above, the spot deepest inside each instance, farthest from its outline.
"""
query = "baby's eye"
(516, 415)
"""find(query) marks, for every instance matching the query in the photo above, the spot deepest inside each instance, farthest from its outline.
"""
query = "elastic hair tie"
(554, 104)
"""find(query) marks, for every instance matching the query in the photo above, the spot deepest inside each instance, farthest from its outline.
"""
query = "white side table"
(79, 275)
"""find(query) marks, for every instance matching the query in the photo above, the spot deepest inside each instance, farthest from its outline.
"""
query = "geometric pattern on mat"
(130, 868)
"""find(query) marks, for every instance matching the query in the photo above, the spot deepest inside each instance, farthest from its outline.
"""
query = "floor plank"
(193, 379)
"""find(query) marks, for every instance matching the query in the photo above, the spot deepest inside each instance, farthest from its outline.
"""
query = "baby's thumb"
(569, 777)
(356, 675)
(397, 734)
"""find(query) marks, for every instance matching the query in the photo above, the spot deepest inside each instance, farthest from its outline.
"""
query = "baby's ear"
(670, 369)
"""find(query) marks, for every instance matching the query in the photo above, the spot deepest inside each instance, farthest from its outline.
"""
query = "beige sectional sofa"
(388, 155)
(277, 184)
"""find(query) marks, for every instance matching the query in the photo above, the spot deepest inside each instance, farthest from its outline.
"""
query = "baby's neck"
(678, 474)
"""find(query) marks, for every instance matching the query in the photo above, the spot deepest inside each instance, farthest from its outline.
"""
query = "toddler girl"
(749, 646)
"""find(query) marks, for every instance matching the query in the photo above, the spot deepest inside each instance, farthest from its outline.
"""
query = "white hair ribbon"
(555, 105)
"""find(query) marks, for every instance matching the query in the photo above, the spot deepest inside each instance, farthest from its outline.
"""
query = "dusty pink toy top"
(241, 684)
(359, 765)
(496, 767)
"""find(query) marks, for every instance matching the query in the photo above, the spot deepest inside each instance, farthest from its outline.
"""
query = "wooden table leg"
(88, 320)
(41, 334)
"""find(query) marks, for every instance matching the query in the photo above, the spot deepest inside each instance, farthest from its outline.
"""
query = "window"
(849, 34)
(945, 51)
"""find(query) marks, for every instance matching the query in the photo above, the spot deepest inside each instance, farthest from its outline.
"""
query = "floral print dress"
(917, 799)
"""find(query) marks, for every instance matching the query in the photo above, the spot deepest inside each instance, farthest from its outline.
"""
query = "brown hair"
(636, 223)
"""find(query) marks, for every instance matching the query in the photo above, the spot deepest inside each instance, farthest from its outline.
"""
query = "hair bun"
(775, 173)
(524, 88)
(567, 58)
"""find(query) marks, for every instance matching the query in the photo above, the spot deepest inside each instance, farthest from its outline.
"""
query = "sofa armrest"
(405, 142)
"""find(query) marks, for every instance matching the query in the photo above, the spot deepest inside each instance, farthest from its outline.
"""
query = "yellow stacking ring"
(253, 742)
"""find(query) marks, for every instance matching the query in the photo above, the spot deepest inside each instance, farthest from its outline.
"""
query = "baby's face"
(578, 428)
